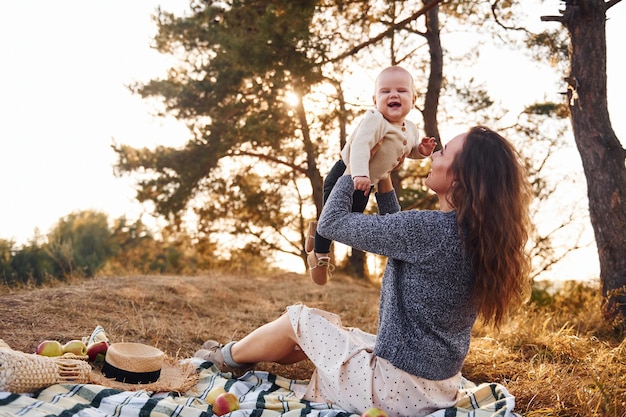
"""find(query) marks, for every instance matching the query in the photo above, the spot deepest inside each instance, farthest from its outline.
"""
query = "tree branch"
(494, 13)
(560, 19)
(269, 158)
(611, 3)
(552, 19)
(387, 32)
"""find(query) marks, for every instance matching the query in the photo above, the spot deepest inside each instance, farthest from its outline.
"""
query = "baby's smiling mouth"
(393, 104)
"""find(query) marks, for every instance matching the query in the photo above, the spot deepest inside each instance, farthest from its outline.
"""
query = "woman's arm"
(388, 234)
(386, 197)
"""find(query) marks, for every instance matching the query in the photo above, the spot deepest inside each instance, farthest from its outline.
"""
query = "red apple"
(49, 348)
(97, 348)
(374, 412)
(75, 347)
(225, 403)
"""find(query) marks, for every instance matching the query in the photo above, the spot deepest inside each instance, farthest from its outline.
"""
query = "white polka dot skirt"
(350, 376)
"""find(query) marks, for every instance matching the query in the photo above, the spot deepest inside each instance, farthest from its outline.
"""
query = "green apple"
(225, 403)
(213, 394)
(75, 347)
(374, 412)
(49, 348)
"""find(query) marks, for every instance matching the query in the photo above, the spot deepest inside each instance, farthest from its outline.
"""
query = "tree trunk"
(313, 173)
(435, 78)
(601, 152)
(357, 264)
(435, 82)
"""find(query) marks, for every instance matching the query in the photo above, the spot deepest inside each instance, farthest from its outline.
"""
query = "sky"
(64, 101)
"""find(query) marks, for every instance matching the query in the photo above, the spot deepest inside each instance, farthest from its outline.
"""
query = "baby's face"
(394, 96)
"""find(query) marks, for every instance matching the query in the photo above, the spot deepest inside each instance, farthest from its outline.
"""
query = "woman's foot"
(320, 267)
(212, 351)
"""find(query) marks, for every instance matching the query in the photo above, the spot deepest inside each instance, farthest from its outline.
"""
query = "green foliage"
(33, 264)
(551, 46)
(81, 243)
(549, 109)
(241, 60)
(7, 274)
(29, 265)
(138, 252)
(64, 263)
(474, 96)
(250, 172)
(414, 194)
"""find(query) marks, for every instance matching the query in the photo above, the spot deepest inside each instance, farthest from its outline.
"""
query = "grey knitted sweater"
(425, 313)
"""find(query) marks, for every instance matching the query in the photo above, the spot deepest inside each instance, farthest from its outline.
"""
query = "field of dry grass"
(557, 359)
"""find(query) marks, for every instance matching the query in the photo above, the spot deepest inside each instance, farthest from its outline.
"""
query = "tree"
(7, 274)
(134, 247)
(32, 264)
(81, 243)
(241, 63)
(252, 170)
(602, 154)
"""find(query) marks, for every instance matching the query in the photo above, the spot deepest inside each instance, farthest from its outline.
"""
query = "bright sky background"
(63, 100)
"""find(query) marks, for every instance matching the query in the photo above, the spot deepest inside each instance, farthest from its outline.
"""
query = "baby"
(380, 143)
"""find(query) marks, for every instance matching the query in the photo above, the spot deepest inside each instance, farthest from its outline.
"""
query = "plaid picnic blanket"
(260, 394)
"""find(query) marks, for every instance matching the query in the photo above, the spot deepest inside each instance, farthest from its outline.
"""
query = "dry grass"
(558, 360)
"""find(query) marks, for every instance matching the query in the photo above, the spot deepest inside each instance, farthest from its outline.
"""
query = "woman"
(445, 269)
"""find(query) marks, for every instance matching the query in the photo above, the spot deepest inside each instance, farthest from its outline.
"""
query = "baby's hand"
(362, 183)
(427, 146)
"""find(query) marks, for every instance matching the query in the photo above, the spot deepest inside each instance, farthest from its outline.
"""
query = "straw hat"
(135, 366)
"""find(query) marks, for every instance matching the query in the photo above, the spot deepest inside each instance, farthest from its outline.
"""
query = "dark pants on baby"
(359, 202)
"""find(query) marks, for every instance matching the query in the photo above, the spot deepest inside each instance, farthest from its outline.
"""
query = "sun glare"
(292, 99)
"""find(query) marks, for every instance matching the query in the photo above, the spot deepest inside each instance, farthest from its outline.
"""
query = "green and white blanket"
(261, 394)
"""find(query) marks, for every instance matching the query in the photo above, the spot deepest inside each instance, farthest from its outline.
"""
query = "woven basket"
(74, 371)
(26, 372)
(72, 356)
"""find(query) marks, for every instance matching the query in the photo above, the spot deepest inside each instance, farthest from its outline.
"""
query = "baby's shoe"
(320, 267)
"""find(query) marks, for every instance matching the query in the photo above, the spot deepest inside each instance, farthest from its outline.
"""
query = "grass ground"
(557, 358)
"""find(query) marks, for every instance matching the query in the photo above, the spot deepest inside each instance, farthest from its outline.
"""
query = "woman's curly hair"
(491, 195)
